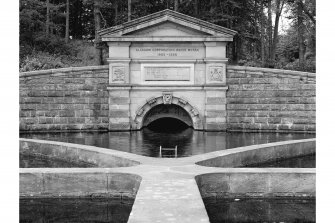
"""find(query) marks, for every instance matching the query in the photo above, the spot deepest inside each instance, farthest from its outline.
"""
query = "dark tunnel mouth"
(168, 124)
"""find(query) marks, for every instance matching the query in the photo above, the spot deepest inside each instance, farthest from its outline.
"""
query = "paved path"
(168, 197)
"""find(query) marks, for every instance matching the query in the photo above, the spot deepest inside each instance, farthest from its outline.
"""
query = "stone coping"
(271, 70)
(61, 71)
(64, 71)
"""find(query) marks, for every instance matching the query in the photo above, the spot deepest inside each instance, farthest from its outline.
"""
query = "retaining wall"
(254, 154)
(75, 154)
(258, 99)
(64, 99)
(81, 183)
(258, 183)
(270, 100)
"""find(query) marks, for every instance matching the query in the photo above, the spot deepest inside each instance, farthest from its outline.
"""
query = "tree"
(129, 10)
(67, 21)
(300, 33)
(176, 5)
(196, 8)
(269, 30)
(47, 27)
(279, 9)
(97, 24)
(258, 42)
(262, 35)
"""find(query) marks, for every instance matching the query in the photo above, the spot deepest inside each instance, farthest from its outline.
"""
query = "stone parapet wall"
(64, 99)
(261, 99)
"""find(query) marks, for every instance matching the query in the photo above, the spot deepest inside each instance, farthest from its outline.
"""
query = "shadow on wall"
(168, 125)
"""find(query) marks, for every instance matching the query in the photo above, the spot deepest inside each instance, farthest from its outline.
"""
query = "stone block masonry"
(65, 99)
(260, 99)
(255, 99)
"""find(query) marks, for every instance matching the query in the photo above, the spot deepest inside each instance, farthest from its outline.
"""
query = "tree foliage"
(259, 41)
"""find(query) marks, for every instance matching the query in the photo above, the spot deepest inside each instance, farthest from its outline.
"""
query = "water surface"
(146, 142)
(74, 210)
(260, 210)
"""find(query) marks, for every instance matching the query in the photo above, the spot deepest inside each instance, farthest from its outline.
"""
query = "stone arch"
(168, 99)
(167, 111)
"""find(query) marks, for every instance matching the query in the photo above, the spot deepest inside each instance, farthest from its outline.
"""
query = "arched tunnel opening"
(167, 118)
(167, 125)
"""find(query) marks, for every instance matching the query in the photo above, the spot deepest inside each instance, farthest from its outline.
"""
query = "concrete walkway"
(168, 191)
(168, 197)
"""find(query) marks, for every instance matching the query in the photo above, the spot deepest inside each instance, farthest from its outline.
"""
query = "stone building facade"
(171, 59)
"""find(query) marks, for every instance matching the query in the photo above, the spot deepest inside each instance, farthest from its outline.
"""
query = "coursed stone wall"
(258, 99)
(64, 99)
(270, 100)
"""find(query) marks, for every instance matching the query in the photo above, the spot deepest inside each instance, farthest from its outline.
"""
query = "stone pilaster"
(119, 90)
(215, 108)
(119, 108)
(215, 103)
(215, 62)
(119, 62)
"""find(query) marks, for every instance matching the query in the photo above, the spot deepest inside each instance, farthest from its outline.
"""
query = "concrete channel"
(161, 186)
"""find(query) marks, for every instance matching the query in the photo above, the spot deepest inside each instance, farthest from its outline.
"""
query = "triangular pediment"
(167, 23)
(167, 29)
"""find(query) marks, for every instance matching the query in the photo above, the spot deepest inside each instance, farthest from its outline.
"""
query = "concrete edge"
(212, 170)
(203, 157)
(184, 160)
(115, 153)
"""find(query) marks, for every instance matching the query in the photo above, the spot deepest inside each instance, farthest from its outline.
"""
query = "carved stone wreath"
(216, 73)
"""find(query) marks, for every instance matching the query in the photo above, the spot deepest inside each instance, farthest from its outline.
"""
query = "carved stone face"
(167, 98)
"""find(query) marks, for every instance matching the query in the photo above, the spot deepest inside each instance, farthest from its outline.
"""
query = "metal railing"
(175, 149)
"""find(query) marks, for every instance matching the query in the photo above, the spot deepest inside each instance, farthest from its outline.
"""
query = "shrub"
(41, 61)
(82, 54)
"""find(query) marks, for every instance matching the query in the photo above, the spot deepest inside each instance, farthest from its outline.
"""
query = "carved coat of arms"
(118, 73)
(167, 98)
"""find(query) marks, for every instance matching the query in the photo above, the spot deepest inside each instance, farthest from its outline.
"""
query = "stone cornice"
(166, 38)
(183, 87)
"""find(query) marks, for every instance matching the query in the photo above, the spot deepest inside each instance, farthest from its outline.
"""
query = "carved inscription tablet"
(167, 73)
(168, 52)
